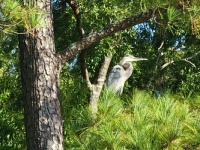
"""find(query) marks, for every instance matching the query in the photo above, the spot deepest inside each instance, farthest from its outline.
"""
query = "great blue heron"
(120, 73)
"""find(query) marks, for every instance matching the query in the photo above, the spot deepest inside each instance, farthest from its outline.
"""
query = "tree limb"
(103, 70)
(193, 55)
(75, 8)
(185, 59)
(173, 61)
(93, 37)
(77, 13)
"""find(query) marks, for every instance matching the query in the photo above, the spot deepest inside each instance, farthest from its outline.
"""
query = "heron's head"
(130, 58)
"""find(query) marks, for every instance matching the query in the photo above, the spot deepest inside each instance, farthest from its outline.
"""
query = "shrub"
(144, 123)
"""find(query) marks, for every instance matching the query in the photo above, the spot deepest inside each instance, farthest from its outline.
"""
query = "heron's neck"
(128, 69)
(122, 62)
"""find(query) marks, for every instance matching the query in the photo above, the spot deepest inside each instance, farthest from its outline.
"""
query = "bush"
(144, 123)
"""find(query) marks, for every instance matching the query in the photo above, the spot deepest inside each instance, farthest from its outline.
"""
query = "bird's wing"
(114, 75)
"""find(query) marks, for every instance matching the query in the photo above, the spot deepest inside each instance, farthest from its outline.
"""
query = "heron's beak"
(137, 59)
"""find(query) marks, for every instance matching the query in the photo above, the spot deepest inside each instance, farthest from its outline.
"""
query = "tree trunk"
(40, 70)
(97, 88)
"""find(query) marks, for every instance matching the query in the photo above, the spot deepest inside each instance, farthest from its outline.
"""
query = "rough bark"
(40, 71)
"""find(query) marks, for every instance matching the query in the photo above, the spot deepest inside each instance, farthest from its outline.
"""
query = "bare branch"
(173, 61)
(167, 64)
(189, 62)
(161, 45)
(193, 55)
(78, 46)
(185, 59)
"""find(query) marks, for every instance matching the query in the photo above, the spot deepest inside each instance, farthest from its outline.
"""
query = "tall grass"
(143, 123)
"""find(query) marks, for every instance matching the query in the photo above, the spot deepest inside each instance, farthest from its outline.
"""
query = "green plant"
(143, 123)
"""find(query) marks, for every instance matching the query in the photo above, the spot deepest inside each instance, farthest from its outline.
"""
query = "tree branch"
(93, 37)
(185, 59)
(173, 61)
(75, 8)
(103, 70)
(77, 13)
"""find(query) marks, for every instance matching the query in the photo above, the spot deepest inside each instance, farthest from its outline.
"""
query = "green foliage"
(174, 28)
(12, 132)
(97, 14)
(143, 123)
(64, 28)
(14, 15)
(190, 85)
(73, 91)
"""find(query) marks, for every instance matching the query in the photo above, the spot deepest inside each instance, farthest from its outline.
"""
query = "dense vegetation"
(160, 106)
(142, 122)
(132, 121)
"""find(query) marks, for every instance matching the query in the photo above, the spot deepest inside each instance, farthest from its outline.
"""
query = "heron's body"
(120, 73)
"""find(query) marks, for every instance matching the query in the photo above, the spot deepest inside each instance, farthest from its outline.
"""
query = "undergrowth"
(141, 123)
